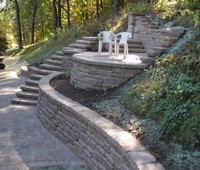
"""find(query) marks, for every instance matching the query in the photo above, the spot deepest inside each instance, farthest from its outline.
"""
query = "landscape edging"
(101, 143)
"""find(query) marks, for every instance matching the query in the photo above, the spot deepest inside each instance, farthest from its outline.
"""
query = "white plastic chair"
(121, 39)
(105, 37)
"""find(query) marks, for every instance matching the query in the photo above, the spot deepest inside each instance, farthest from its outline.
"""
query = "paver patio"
(24, 142)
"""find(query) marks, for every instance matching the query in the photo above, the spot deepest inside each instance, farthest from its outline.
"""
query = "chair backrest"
(124, 36)
(106, 36)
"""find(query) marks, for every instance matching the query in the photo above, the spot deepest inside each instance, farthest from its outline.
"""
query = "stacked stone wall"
(67, 62)
(101, 143)
(100, 75)
(155, 39)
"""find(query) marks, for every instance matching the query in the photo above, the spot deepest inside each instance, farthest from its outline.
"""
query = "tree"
(3, 43)
(34, 5)
(55, 15)
(97, 9)
(68, 14)
(59, 15)
(115, 8)
(19, 33)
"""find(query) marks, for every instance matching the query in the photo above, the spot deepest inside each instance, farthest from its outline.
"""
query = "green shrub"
(139, 7)
(184, 13)
(171, 94)
(3, 43)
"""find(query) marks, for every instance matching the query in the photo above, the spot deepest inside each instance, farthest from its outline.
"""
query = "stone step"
(29, 88)
(159, 49)
(57, 57)
(39, 71)
(50, 67)
(81, 46)
(146, 59)
(86, 42)
(90, 38)
(132, 41)
(54, 62)
(70, 50)
(135, 46)
(136, 50)
(31, 82)
(153, 54)
(36, 76)
(29, 95)
(59, 53)
(22, 101)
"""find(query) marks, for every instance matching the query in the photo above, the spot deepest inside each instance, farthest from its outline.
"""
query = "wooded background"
(33, 20)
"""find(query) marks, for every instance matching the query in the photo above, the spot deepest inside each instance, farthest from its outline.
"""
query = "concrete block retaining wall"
(67, 62)
(87, 73)
(101, 143)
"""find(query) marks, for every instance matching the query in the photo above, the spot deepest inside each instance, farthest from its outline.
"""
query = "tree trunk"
(68, 14)
(97, 9)
(34, 4)
(19, 33)
(55, 15)
(59, 15)
(122, 4)
(101, 4)
(115, 8)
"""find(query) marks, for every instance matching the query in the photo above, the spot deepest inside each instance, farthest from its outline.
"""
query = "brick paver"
(24, 142)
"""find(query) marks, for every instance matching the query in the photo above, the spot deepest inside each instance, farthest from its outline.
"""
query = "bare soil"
(171, 155)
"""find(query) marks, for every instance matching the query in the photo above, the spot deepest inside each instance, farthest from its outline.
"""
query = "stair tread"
(57, 57)
(132, 41)
(23, 101)
(90, 38)
(56, 62)
(76, 45)
(50, 67)
(59, 53)
(85, 42)
(27, 95)
(31, 82)
(29, 88)
(36, 76)
(71, 50)
(40, 71)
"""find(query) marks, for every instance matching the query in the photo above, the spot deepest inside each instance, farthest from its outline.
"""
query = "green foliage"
(36, 53)
(68, 73)
(3, 43)
(40, 51)
(184, 13)
(171, 94)
(139, 7)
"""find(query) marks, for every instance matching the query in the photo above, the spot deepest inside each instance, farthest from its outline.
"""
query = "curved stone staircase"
(61, 61)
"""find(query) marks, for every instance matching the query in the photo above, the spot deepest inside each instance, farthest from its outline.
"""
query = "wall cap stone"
(94, 59)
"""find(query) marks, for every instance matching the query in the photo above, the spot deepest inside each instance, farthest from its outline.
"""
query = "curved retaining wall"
(89, 71)
(101, 143)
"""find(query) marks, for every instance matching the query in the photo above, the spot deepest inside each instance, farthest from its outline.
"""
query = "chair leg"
(125, 51)
(117, 50)
(110, 49)
(100, 48)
